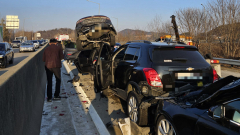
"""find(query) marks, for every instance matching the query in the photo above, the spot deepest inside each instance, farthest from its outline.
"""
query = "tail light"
(152, 77)
(179, 47)
(69, 54)
(215, 75)
(214, 61)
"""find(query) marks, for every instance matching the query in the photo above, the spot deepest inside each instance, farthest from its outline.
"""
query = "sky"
(130, 14)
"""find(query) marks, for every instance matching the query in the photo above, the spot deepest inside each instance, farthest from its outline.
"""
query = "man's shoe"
(57, 98)
(49, 100)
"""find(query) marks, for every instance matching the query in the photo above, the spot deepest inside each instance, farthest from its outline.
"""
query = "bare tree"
(225, 17)
(191, 20)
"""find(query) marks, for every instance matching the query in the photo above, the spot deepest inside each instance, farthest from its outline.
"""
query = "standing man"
(52, 57)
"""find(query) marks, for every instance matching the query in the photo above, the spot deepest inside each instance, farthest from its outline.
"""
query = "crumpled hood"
(219, 92)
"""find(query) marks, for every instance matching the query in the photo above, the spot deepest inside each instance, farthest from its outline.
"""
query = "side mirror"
(216, 112)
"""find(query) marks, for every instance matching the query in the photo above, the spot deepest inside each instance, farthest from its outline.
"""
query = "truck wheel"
(133, 103)
(112, 40)
(79, 45)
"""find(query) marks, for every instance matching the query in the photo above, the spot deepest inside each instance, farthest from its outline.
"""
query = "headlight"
(1, 56)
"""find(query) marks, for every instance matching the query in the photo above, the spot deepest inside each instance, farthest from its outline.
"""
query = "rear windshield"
(15, 41)
(176, 55)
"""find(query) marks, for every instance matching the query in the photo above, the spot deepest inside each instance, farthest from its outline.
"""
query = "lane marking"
(93, 113)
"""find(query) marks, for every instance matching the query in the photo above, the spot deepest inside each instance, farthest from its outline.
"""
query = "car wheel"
(133, 103)
(5, 63)
(164, 127)
(97, 89)
(112, 40)
(34, 50)
(19, 51)
(11, 61)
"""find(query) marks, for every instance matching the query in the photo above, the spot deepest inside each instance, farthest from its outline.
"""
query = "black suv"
(141, 70)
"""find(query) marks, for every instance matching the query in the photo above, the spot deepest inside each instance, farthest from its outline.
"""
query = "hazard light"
(214, 61)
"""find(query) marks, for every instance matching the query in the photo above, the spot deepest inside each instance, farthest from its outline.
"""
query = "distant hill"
(48, 34)
(130, 31)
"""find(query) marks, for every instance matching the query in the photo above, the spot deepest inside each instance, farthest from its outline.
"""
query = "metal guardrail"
(228, 61)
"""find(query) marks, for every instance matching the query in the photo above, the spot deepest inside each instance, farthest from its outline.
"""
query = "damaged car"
(92, 31)
(211, 110)
(140, 70)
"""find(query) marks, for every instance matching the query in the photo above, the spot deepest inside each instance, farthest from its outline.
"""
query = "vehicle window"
(232, 111)
(217, 112)
(120, 55)
(177, 55)
(2, 47)
(236, 116)
(129, 55)
(15, 41)
(137, 54)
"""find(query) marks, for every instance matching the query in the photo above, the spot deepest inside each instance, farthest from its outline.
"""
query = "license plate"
(200, 84)
(188, 76)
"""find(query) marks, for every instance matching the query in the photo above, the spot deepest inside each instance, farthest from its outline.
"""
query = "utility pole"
(98, 5)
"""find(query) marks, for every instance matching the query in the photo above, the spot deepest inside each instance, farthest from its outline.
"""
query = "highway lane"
(18, 57)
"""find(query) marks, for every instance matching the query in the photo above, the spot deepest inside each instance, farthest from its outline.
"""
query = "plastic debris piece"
(85, 101)
(55, 107)
(61, 114)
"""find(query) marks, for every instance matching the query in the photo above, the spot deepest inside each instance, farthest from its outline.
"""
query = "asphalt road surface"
(18, 57)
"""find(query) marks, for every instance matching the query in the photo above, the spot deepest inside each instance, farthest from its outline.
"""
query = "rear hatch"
(180, 65)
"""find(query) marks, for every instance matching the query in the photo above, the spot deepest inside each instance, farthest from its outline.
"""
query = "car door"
(225, 119)
(125, 66)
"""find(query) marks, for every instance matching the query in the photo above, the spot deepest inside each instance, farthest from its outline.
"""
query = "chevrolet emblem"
(190, 69)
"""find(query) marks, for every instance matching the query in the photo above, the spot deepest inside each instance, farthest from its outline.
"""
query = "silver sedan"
(26, 47)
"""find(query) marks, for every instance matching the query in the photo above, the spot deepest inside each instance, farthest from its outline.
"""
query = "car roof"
(159, 44)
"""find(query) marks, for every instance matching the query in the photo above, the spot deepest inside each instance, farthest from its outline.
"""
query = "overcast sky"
(51, 14)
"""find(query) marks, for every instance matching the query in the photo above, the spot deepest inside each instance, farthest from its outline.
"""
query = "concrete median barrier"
(22, 96)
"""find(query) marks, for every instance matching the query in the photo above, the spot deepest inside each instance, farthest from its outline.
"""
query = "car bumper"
(27, 49)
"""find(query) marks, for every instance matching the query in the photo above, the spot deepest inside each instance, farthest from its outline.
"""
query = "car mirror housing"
(216, 112)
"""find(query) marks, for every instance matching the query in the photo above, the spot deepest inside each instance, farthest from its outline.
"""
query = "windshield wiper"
(180, 59)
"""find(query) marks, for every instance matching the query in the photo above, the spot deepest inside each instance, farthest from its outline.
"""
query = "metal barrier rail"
(228, 61)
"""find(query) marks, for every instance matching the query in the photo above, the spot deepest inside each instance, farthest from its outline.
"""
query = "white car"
(26, 47)
(35, 43)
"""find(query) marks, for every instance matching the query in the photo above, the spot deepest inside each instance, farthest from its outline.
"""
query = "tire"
(133, 103)
(163, 122)
(19, 51)
(5, 63)
(11, 61)
(34, 50)
(97, 89)
(79, 45)
(112, 40)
